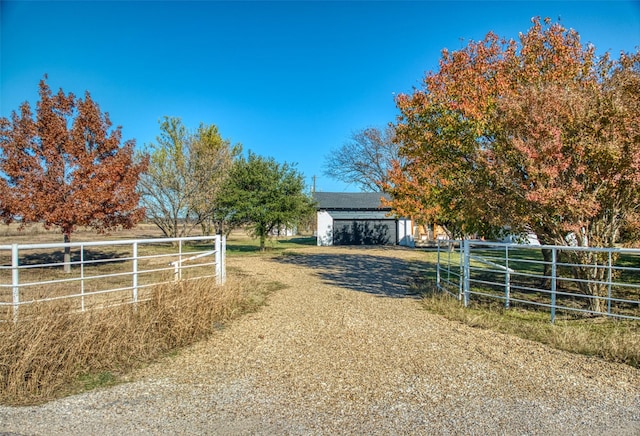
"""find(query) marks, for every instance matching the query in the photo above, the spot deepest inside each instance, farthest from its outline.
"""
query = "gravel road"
(343, 349)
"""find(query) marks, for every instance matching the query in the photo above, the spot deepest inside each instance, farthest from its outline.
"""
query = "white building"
(359, 219)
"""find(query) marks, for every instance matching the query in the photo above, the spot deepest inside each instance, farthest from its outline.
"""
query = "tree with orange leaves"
(65, 167)
(539, 134)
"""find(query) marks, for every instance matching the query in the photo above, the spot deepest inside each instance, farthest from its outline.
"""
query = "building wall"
(325, 228)
(365, 231)
(405, 233)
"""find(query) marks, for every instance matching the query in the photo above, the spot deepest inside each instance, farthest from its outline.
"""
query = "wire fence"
(103, 273)
(574, 281)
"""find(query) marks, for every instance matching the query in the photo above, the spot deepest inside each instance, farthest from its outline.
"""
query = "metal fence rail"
(571, 280)
(103, 273)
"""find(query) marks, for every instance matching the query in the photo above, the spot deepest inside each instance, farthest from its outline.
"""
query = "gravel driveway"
(344, 350)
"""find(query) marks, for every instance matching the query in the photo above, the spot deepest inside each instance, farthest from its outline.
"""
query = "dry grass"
(611, 339)
(60, 352)
(37, 234)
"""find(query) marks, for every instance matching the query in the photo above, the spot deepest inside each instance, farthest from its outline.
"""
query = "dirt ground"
(345, 348)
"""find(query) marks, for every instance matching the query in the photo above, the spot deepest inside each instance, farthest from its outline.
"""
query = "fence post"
(135, 272)
(507, 278)
(218, 255)
(467, 271)
(82, 277)
(223, 255)
(461, 272)
(609, 278)
(438, 267)
(553, 284)
(15, 280)
(179, 266)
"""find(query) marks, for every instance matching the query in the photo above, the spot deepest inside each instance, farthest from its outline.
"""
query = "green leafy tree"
(185, 175)
(265, 196)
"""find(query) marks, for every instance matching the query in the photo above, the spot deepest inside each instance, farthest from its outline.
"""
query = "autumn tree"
(539, 134)
(365, 159)
(184, 177)
(265, 195)
(213, 159)
(65, 167)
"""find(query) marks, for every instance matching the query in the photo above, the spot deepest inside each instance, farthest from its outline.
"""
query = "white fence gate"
(519, 274)
(103, 273)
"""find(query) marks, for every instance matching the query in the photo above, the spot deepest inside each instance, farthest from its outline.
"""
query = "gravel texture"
(343, 349)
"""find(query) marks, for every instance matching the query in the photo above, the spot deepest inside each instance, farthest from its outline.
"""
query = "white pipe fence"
(579, 280)
(103, 273)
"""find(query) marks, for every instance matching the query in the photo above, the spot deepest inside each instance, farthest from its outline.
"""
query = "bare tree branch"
(364, 159)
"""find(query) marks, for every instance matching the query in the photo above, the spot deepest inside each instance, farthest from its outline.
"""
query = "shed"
(359, 218)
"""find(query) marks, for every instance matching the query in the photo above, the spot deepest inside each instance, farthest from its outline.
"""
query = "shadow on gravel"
(374, 274)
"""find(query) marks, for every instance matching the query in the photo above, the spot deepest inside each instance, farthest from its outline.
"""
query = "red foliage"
(540, 134)
(65, 166)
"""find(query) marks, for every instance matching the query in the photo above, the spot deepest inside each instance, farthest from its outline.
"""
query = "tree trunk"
(592, 270)
(547, 255)
(67, 253)
(206, 226)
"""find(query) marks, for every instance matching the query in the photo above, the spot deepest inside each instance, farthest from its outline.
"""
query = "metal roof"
(350, 200)
(360, 215)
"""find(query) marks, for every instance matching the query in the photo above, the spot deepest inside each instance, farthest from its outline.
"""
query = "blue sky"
(289, 80)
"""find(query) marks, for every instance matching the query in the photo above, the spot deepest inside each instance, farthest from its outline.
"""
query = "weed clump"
(57, 351)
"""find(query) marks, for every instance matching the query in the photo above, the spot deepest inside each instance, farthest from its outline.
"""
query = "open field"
(37, 234)
(345, 346)
(101, 273)
(614, 340)
(239, 241)
(97, 270)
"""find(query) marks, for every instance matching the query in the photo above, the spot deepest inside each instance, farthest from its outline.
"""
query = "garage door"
(364, 232)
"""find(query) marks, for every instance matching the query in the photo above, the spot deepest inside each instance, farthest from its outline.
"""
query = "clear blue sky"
(288, 80)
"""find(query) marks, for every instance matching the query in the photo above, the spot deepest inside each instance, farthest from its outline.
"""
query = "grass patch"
(56, 352)
(610, 339)
(239, 244)
(98, 380)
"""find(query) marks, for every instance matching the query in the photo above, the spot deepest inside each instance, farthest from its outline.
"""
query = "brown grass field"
(102, 269)
(54, 349)
(57, 350)
(62, 351)
(37, 234)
